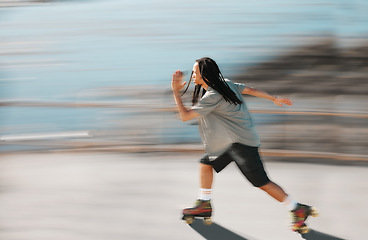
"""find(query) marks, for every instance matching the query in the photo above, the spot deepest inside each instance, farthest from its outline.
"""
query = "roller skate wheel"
(189, 220)
(314, 212)
(303, 229)
(207, 221)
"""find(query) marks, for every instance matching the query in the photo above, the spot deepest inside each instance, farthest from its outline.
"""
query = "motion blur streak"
(90, 143)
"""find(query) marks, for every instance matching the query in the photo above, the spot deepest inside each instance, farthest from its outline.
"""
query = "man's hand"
(281, 101)
(176, 83)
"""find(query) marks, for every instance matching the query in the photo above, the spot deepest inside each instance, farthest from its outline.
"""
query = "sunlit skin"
(206, 171)
(197, 77)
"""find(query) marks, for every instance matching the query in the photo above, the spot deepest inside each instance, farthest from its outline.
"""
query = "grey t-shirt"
(222, 123)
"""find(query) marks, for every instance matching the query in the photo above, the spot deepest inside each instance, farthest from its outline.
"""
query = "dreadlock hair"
(196, 92)
(212, 76)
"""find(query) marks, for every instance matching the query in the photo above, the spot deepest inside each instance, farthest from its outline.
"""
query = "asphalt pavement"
(116, 196)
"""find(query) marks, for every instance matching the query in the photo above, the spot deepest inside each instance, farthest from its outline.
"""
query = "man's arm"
(262, 94)
(176, 85)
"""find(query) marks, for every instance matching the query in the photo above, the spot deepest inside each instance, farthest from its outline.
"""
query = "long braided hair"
(212, 76)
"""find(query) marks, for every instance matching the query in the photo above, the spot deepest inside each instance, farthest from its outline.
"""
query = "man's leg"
(299, 212)
(206, 179)
(274, 191)
(206, 176)
(202, 206)
(250, 164)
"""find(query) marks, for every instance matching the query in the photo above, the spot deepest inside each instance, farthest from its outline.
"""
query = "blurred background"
(94, 76)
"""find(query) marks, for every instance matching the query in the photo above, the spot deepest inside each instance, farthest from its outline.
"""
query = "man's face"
(196, 76)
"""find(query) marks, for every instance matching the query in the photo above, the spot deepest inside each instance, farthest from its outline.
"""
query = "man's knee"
(266, 186)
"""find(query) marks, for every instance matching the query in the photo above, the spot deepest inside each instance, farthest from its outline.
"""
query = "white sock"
(205, 194)
(290, 203)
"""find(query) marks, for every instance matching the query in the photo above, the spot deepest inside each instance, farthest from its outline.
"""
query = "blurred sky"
(54, 51)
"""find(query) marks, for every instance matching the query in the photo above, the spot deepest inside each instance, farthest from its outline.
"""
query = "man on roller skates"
(228, 134)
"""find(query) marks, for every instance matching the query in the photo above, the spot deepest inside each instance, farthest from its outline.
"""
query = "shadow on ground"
(315, 235)
(216, 232)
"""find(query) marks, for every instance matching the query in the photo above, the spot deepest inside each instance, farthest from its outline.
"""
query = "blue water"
(107, 43)
(58, 51)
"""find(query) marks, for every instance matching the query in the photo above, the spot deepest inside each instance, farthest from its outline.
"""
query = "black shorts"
(246, 158)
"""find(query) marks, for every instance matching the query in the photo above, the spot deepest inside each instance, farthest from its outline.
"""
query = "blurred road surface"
(115, 196)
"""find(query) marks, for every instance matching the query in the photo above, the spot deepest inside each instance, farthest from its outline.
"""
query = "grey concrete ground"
(80, 196)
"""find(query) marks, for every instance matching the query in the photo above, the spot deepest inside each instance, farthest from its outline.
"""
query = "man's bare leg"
(206, 176)
(274, 191)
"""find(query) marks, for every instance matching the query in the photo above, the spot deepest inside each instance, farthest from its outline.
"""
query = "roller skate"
(201, 209)
(299, 215)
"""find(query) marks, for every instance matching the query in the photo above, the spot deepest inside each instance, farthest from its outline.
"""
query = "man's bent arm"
(184, 113)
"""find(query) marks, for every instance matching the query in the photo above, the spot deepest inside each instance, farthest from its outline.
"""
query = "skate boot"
(299, 215)
(202, 208)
